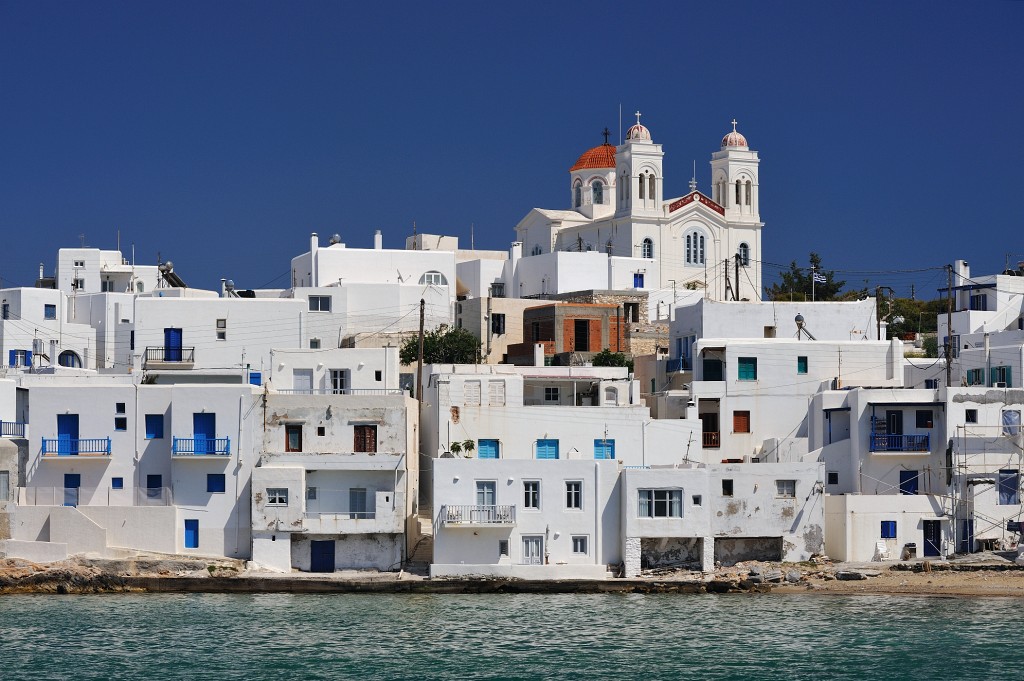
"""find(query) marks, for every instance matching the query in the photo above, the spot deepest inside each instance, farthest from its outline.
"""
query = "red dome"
(602, 156)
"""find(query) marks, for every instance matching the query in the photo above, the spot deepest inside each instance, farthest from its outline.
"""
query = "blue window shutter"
(10, 358)
(28, 358)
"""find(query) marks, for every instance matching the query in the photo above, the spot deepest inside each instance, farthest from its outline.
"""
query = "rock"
(870, 573)
(773, 576)
(755, 579)
(850, 575)
(755, 569)
(793, 576)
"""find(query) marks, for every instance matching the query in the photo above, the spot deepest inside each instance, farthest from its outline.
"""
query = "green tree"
(443, 345)
(607, 358)
(798, 284)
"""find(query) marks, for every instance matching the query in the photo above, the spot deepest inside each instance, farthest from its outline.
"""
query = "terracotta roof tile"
(601, 156)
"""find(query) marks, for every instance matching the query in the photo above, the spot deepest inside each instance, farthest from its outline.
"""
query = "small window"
(119, 408)
(215, 483)
(598, 188)
(433, 278)
(832, 478)
(293, 437)
(314, 343)
(574, 495)
(924, 418)
(222, 329)
(786, 488)
(378, 376)
(697, 499)
(321, 431)
(319, 303)
(120, 423)
(551, 394)
(366, 438)
(79, 263)
(741, 422)
(5, 311)
(579, 544)
(531, 495)
(154, 426)
(727, 488)
(931, 383)
(744, 253)
(604, 448)
(49, 311)
(117, 483)
(801, 365)
(311, 493)
(277, 496)
(888, 529)
(971, 416)
(747, 368)
(497, 324)
(502, 547)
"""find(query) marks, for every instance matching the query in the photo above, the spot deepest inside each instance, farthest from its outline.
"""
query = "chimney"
(314, 246)
(378, 241)
(538, 354)
(40, 270)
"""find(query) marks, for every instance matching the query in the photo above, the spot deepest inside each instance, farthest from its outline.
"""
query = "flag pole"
(813, 279)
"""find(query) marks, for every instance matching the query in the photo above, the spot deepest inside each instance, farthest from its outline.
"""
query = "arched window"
(598, 188)
(650, 186)
(738, 186)
(536, 250)
(749, 190)
(695, 248)
(642, 186)
(647, 249)
(744, 253)
(69, 358)
(578, 195)
(433, 278)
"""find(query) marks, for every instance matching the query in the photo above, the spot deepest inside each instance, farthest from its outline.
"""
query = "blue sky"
(220, 134)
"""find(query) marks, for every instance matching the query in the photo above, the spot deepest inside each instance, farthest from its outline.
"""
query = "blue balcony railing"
(678, 364)
(900, 443)
(12, 429)
(62, 446)
(201, 446)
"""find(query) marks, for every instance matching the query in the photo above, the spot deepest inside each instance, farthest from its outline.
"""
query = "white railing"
(339, 391)
(92, 496)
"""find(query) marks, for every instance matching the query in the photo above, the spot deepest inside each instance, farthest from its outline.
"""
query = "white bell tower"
(639, 178)
(734, 180)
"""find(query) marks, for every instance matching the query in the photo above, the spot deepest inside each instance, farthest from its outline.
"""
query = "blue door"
(322, 556)
(172, 345)
(204, 430)
(967, 536)
(547, 449)
(908, 482)
(67, 434)
(72, 483)
(932, 538)
(488, 449)
(192, 533)
(154, 486)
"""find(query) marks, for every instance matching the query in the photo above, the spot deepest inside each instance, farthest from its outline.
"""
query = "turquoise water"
(606, 636)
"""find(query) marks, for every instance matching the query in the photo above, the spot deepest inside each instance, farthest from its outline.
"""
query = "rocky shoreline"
(157, 575)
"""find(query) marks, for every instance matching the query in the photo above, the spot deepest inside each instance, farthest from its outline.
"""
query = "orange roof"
(601, 156)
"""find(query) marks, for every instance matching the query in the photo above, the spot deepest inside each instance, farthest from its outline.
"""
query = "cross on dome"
(606, 132)
(734, 125)
(637, 114)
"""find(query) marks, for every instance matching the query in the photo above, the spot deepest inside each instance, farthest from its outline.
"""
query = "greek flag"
(820, 278)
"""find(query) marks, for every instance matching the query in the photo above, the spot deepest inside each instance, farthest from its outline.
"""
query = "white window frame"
(317, 303)
(277, 496)
(574, 495)
(785, 489)
(580, 544)
(659, 503)
(433, 278)
(222, 329)
(535, 493)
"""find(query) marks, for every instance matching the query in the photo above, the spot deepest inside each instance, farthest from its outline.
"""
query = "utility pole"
(878, 314)
(728, 285)
(736, 293)
(419, 362)
(949, 326)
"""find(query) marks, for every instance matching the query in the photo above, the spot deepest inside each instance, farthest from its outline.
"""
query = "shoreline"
(85, 576)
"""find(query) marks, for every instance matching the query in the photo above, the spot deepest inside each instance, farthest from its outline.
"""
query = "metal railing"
(469, 514)
(94, 496)
(678, 364)
(342, 515)
(12, 429)
(711, 439)
(200, 446)
(94, 446)
(900, 443)
(339, 391)
(170, 354)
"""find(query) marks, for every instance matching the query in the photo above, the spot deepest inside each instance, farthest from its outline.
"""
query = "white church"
(620, 209)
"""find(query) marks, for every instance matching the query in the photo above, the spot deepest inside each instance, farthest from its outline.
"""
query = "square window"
(277, 496)
(311, 493)
(293, 437)
(49, 311)
(574, 495)
(502, 547)
(888, 529)
(727, 488)
(579, 544)
(747, 368)
(550, 394)
(697, 500)
(971, 416)
(117, 483)
(924, 418)
(215, 483)
(120, 423)
(314, 343)
(319, 303)
(321, 431)
(801, 365)
(79, 263)
(531, 495)
(119, 408)
(154, 426)
(222, 329)
(741, 422)
(786, 488)
(222, 323)
(832, 478)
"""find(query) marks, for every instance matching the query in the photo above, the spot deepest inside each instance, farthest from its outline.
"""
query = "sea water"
(534, 636)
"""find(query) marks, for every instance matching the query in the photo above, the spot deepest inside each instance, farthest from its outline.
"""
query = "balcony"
(96, 447)
(472, 516)
(169, 358)
(711, 440)
(190, 447)
(385, 516)
(12, 429)
(340, 391)
(901, 443)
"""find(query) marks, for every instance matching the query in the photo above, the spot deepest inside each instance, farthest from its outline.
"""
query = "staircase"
(423, 553)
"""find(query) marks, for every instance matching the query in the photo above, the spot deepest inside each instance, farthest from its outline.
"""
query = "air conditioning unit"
(999, 385)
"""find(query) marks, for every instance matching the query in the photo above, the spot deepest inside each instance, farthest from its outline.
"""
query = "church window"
(744, 253)
(749, 189)
(598, 187)
(695, 248)
(650, 186)
(738, 187)
(578, 195)
(647, 249)
(536, 250)
(641, 186)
